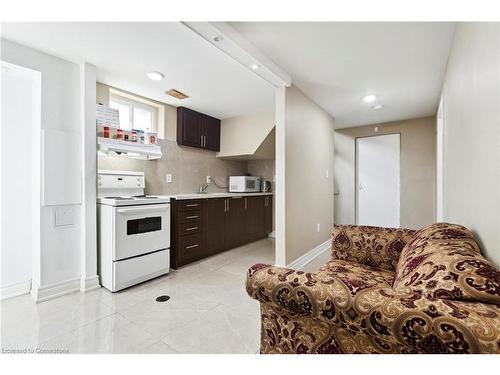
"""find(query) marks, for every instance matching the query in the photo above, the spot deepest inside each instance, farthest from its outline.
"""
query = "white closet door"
(377, 180)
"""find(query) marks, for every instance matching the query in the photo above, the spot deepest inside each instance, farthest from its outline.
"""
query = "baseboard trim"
(44, 293)
(89, 283)
(14, 290)
(310, 255)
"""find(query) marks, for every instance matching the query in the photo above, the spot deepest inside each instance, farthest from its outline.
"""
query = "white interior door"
(377, 180)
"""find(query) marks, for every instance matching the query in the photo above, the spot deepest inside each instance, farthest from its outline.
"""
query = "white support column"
(280, 248)
(89, 279)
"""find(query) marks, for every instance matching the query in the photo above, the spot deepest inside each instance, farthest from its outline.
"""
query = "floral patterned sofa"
(384, 291)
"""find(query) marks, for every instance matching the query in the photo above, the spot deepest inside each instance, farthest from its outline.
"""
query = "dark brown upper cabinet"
(195, 129)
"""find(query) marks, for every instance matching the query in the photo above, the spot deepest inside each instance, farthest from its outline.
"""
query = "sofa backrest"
(370, 246)
(444, 261)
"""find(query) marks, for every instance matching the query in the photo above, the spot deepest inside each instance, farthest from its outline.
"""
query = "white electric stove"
(133, 230)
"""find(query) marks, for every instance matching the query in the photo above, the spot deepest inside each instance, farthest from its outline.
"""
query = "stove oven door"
(141, 229)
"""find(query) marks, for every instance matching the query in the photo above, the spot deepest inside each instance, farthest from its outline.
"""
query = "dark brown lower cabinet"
(268, 206)
(234, 223)
(214, 213)
(201, 228)
(258, 212)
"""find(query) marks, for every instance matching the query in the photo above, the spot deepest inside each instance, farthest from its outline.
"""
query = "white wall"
(280, 183)
(471, 150)
(60, 246)
(308, 141)
(20, 95)
(242, 135)
(89, 279)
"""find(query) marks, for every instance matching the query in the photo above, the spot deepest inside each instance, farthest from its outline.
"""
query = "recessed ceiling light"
(255, 66)
(378, 106)
(369, 98)
(155, 76)
(217, 38)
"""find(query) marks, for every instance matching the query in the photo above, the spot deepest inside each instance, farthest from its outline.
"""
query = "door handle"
(143, 210)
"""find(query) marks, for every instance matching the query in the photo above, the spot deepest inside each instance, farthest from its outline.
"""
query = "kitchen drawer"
(189, 216)
(135, 270)
(191, 204)
(191, 227)
(190, 247)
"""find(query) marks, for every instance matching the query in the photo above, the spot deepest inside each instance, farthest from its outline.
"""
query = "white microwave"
(244, 184)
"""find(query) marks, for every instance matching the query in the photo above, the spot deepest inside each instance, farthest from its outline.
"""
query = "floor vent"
(162, 298)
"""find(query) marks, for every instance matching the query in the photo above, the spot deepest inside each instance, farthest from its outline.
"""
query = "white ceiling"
(125, 52)
(336, 64)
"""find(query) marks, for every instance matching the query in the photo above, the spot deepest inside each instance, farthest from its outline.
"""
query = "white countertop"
(215, 195)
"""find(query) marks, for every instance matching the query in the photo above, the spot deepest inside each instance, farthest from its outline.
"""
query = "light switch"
(63, 217)
(168, 178)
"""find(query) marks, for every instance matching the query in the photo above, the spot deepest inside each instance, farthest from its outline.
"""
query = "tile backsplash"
(188, 167)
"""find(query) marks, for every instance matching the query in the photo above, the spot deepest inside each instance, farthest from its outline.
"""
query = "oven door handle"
(142, 210)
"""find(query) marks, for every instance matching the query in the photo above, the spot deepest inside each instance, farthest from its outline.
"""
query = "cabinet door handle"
(201, 140)
(192, 246)
(192, 228)
(245, 203)
(228, 208)
(192, 217)
(192, 205)
(204, 141)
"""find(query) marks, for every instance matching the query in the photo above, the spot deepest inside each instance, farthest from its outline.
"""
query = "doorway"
(19, 192)
(378, 180)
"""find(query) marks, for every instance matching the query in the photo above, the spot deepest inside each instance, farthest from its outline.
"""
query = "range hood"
(125, 149)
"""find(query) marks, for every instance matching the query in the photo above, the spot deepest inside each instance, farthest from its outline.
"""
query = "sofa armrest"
(299, 293)
(392, 321)
(370, 246)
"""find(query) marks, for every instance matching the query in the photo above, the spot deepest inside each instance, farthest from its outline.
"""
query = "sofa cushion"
(444, 261)
(355, 276)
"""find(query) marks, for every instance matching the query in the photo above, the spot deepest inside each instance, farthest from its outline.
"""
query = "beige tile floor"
(209, 312)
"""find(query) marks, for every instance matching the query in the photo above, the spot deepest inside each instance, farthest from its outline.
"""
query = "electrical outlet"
(168, 178)
(209, 179)
(318, 227)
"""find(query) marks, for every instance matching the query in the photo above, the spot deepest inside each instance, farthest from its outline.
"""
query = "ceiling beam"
(227, 39)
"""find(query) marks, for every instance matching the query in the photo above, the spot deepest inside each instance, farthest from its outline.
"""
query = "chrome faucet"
(203, 188)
